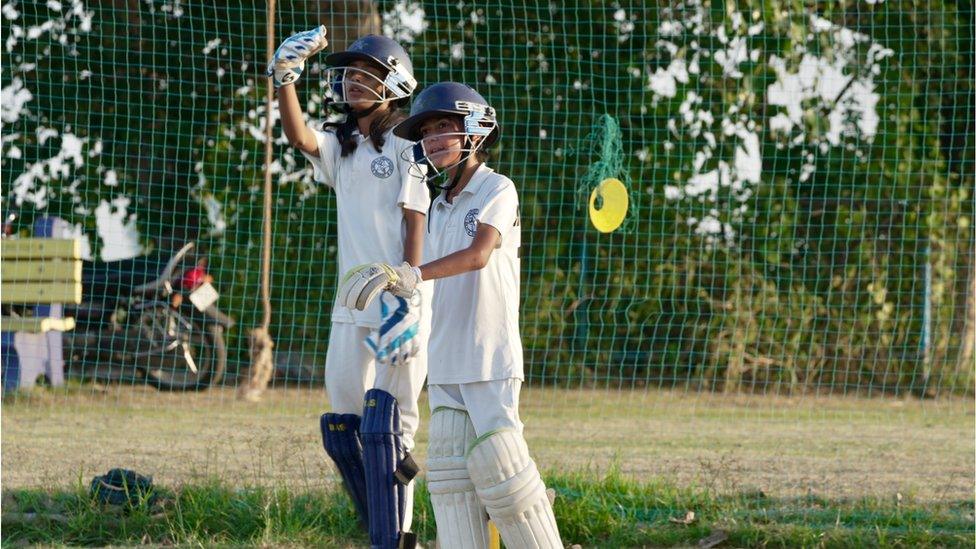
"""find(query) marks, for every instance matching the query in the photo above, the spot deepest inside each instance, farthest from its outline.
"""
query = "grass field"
(766, 470)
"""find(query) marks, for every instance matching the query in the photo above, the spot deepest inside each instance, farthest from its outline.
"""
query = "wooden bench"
(37, 274)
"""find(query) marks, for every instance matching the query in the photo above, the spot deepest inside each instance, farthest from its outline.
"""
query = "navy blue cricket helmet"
(452, 98)
(380, 50)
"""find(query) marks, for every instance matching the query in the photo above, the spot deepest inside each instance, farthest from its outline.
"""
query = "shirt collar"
(477, 179)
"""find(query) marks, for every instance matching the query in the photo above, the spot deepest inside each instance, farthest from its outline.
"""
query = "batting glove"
(289, 59)
(395, 342)
(363, 283)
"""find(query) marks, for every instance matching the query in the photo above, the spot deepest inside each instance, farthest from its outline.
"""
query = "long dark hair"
(377, 128)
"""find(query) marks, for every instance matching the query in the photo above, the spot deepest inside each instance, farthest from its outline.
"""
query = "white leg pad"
(407, 507)
(512, 490)
(462, 522)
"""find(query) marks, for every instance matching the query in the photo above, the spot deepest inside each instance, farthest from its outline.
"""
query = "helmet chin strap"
(456, 178)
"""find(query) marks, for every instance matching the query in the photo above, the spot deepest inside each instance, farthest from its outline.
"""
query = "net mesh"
(797, 250)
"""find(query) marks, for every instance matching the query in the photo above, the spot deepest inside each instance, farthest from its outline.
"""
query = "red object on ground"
(193, 278)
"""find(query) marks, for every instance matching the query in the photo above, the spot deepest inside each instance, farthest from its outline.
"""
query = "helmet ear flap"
(420, 156)
(337, 85)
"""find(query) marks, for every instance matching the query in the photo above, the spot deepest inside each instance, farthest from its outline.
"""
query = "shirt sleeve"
(324, 165)
(501, 209)
(413, 188)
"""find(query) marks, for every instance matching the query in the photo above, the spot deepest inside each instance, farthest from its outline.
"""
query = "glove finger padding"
(405, 349)
(407, 331)
(298, 47)
(362, 284)
(289, 59)
(395, 341)
(412, 346)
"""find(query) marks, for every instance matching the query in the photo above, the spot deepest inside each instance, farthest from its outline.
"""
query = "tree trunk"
(348, 20)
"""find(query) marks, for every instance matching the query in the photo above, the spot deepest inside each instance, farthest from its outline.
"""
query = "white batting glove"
(395, 342)
(289, 59)
(363, 283)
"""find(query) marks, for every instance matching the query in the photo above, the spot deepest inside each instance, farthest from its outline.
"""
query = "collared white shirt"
(372, 188)
(475, 332)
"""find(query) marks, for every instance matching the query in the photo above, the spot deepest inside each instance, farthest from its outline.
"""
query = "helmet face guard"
(422, 161)
(398, 84)
(395, 83)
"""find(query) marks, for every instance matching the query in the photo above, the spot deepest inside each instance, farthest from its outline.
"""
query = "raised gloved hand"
(289, 59)
(395, 341)
(363, 283)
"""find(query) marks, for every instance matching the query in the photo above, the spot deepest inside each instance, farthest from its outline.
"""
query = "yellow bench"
(39, 271)
(36, 275)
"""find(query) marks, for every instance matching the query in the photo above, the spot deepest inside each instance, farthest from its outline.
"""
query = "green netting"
(800, 177)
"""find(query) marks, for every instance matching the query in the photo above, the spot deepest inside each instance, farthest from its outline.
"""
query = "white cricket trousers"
(491, 405)
(351, 370)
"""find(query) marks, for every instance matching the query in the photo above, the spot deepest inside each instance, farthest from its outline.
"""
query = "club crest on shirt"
(471, 221)
(382, 167)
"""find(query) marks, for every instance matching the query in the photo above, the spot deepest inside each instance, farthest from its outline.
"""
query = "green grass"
(607, 511)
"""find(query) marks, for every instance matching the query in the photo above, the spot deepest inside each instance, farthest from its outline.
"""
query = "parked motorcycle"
(154, 317)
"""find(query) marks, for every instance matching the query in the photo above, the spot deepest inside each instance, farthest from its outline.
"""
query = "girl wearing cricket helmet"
(477, 460)
(379, 352)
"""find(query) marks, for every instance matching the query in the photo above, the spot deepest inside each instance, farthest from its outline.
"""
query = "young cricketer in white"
(477, 460)
(376, 360)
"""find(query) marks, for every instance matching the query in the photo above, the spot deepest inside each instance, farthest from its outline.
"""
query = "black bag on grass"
(123, 487)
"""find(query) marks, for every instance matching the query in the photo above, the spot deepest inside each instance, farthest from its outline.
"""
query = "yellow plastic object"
(608, 205)
(494, 539)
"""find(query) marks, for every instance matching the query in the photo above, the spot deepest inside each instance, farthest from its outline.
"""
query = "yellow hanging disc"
(608, 205)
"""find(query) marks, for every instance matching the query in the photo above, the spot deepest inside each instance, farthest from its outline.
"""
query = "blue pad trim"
(382, 453)
(340, 437)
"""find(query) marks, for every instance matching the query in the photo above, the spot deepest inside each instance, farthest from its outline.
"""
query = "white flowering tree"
(50, 165)
(754, 83)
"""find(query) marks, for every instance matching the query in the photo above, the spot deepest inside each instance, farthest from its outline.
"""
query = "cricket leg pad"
(389, 469)
(340, 437)
(462, 521)
(510, 487)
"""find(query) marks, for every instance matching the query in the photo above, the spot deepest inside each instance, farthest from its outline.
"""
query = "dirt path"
(835, 447)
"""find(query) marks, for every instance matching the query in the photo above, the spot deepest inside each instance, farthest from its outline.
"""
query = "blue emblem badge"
(471, 221)
(382, 167)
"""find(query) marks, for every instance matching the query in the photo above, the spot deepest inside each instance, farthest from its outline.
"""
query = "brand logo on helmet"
(468, 106)
(382, 167)
(471, 221)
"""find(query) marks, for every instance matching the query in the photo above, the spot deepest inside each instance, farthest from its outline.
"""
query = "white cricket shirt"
(371, 189)
(475, 331)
